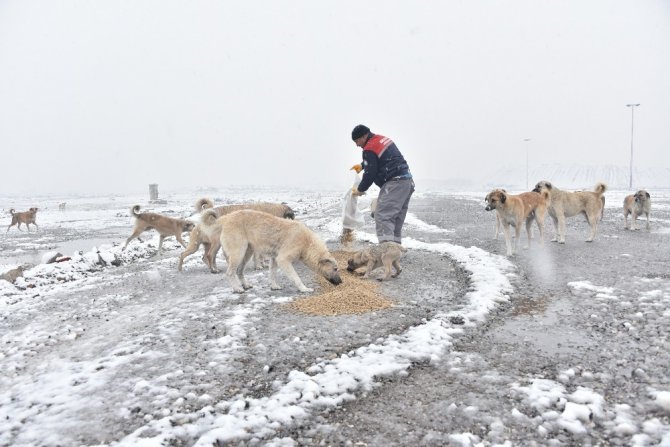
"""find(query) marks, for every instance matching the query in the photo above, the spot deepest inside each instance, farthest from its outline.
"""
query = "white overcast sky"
(104, 96)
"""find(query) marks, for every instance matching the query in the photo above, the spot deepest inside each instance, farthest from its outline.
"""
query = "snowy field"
(142, 355)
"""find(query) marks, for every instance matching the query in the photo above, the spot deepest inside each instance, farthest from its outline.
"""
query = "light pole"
(526, 140)
(632, 120)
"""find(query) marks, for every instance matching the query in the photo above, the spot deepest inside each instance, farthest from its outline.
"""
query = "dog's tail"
(208, 217)
(11, 211)
(600, 188)
(203, 204)
(135, 211)
(288, 212)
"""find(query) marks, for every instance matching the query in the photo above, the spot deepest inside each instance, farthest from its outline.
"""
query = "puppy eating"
(385, 254)
(636, 204)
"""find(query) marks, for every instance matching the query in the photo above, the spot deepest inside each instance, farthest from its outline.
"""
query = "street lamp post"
(632, 120)
(526, 140)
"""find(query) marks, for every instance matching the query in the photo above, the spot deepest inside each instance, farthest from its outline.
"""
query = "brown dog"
(385, 254)
(284, 241)
(165, 225)
(566, 204)
(636, 204)
(26, 217)
(515, 209)
(210, 237)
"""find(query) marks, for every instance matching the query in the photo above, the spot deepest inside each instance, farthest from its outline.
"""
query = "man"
(385, 166)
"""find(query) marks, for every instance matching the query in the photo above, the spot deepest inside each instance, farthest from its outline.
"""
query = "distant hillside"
(578, 177)
(564, 176)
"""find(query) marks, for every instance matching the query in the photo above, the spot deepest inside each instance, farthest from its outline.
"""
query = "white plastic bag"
(352, 218)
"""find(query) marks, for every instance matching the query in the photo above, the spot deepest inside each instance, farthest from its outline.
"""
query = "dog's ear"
(503, 198)
(648, 196)
(503, 190)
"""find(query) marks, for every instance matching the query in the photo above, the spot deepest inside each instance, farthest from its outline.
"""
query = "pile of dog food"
(353, 296)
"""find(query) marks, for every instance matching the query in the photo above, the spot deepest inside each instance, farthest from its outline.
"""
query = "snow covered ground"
(142, 355)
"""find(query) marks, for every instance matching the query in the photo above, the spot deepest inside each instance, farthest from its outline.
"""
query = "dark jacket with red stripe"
(382, 161)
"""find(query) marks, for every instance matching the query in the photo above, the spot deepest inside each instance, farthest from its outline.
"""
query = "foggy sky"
(109, 96)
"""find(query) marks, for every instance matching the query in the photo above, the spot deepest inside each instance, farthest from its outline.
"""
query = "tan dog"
(498, 230)
(516, 209)
(209, 235)
(276, 209)
(385, 254)
(210, 238)
(165, 225)
(284, 241)
(25, 217)
(636, 204)
(566, 204)
(61, 206)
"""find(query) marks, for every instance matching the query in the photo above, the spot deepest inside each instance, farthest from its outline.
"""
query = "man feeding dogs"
(384, 165)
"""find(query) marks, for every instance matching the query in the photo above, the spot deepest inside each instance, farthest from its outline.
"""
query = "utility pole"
(632, 120)
(526, 140)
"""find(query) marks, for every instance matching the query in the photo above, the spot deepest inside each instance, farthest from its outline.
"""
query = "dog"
(564, 204)
(276, 209)
(165, 225)
(285, 241)
(61, 206)
(515, 209)
(636, 204)
(26, 217)
(209, 235)
(386, 254)
(498, 229)
(211, 238)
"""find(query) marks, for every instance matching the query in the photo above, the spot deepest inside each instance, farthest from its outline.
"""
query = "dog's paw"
(238, 290)
(275, 287)
(307, 290)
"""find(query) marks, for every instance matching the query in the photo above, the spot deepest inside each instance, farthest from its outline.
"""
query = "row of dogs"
(515, 210)
(261, 230)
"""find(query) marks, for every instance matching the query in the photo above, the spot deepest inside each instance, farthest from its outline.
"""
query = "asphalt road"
(585, 328)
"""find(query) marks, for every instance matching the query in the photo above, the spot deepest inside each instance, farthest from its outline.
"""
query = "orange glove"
(355, 192)
(358, 168)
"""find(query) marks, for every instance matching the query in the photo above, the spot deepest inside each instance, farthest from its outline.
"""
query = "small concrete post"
(153, 192)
